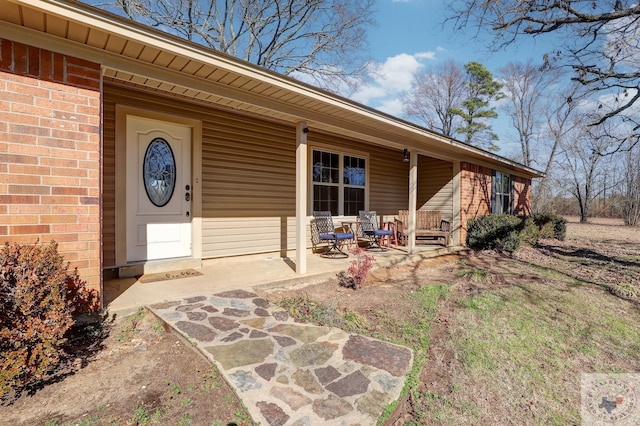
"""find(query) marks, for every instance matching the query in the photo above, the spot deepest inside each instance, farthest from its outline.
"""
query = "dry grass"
(513, 351)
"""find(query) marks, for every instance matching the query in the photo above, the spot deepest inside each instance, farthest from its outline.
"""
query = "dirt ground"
(136, 372)
(133, 372)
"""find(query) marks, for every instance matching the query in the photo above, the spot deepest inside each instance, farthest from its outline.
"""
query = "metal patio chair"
(370, 228)
(327, 233)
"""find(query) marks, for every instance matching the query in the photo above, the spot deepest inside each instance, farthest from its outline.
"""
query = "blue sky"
(410, 36)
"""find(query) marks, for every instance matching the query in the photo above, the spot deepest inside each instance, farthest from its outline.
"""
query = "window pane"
(506, 204)
(326, 159)
(335, 176)
(498, 183)
(159, 172)
(325, 167)
(325, 198)
(498, 207)
(506, 184)
(353, 201)
(354, 171)
(502, 193)
(317, 166)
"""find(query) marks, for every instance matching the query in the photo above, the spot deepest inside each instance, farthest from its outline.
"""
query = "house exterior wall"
(248, 175)
(522, 196)
(475, 194)
(435, 186)
(50, 154)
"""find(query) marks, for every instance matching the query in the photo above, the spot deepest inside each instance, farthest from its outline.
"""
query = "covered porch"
(124, 296)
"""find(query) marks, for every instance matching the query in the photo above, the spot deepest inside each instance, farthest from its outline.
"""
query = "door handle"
(187, 195)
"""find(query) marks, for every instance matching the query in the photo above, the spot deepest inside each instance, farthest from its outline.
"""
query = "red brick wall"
(522, 196)
(475, 194)
(50, 153)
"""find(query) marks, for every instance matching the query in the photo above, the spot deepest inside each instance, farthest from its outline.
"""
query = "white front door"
(158, 189)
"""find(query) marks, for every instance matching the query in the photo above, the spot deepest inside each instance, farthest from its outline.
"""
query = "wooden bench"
(429, 224)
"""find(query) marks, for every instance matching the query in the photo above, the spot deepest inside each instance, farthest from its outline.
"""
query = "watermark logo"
(609, 399)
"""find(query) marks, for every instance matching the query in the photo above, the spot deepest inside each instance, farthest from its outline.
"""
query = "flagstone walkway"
(287, 373)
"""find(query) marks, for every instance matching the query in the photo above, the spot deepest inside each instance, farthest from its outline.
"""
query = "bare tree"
(324, 39)
(559, 125)
(529, 98)
(630, 190)
(584, 163)
(599, 41)
(434, 94)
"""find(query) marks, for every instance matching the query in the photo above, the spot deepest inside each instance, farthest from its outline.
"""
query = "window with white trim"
(502, 193)
(339, 182)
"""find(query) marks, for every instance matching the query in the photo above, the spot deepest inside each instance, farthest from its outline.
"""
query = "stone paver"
(288, 373)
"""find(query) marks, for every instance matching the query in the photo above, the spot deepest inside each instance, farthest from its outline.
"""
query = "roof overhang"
(132, 54)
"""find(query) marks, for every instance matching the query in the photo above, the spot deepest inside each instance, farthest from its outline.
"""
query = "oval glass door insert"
(159, 172)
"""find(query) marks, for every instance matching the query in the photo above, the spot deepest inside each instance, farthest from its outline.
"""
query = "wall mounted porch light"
(405, 156)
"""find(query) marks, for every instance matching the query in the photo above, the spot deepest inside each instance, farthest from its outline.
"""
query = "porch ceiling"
(136, 55)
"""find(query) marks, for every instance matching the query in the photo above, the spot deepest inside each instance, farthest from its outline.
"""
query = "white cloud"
(393, 106)
(425, 55)
(397, 73)
(389, 80)
(367, 93)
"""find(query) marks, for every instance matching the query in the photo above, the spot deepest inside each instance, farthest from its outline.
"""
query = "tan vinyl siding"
(389, 182)
(228, 236)
(248, 167)
(248, 185)
(435, 186)
(109, 188)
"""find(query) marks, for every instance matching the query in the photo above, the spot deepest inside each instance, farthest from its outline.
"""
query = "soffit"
(136, 55)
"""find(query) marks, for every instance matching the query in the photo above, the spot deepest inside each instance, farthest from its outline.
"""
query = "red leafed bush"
(38, 298)
(358, 270)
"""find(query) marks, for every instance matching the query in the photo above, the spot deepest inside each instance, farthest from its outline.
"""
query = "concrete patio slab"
(125, 296)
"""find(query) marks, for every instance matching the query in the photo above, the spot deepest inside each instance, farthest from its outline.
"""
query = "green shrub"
(551, 225)
(505, 232)
(546, 230)
(529, 232)
(494, 232)
(38, 298)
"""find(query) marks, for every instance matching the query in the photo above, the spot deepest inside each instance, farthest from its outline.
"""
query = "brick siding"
(522, 196)
(50, 154)
(475, 194)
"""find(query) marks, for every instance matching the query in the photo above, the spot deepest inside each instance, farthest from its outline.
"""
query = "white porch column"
(301, 197)
(413, 199)
(456, 225)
